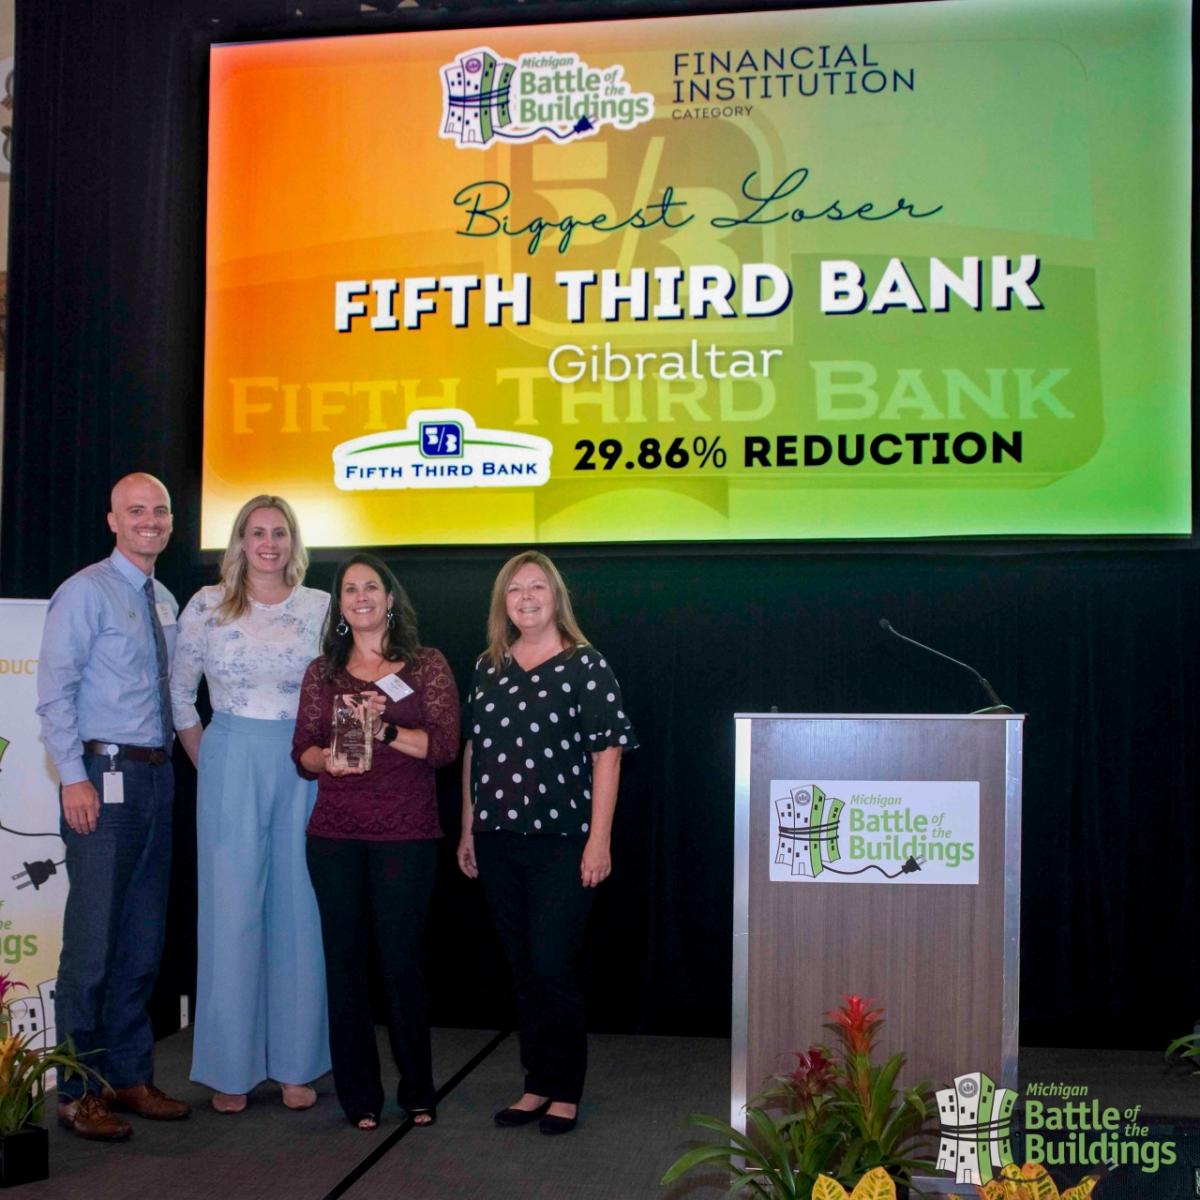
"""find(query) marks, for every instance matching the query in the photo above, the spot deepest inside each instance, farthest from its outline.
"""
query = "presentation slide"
(918, 270)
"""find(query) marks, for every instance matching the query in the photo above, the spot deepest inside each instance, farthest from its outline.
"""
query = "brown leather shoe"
(90, 1117)
(146, 1100)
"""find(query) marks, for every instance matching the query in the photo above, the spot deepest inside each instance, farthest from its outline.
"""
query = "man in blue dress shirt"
(106, 721)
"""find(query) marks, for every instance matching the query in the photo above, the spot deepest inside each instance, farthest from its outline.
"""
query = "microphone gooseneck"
(997, 704)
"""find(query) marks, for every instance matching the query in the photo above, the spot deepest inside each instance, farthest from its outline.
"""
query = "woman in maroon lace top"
(372, 838)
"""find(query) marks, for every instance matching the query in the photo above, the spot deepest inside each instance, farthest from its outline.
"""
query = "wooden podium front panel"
(940, 958)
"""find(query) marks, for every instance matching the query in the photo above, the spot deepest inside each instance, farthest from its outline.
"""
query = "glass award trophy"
(353, 733)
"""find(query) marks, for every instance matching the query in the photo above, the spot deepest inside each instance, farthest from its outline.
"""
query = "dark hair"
(401, 643)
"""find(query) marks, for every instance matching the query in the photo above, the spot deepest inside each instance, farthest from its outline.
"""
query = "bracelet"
(390, 733)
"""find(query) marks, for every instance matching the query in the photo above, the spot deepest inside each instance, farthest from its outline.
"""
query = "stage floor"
(632, 1127)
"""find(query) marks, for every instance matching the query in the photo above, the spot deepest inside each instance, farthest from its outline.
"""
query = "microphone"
(997, 704)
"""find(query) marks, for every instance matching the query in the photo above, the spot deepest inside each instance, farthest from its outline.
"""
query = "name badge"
(114, 787)
(165, 615)
(394, 686)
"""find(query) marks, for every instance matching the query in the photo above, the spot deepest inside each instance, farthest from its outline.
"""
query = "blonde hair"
(236, 599)
(502, 632)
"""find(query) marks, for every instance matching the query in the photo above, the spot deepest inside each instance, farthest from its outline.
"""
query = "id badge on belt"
(114, 781)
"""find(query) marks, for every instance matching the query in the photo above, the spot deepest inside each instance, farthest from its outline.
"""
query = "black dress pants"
(540, 910)
(384, 889)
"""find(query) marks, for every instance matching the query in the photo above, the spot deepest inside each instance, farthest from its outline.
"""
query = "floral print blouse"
(253, 664)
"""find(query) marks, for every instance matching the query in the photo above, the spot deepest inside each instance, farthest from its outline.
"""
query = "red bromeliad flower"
(856, 1024)
(813, 1075)
(7, 983)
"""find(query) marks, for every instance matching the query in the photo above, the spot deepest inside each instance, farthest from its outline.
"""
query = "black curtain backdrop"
(1098, 644)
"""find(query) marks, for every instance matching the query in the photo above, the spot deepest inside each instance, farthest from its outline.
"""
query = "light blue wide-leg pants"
(260, 972)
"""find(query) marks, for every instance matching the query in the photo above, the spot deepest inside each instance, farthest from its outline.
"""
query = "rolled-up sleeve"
(70, 629)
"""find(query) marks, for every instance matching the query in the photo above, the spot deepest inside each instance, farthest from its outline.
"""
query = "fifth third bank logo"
(442, 448)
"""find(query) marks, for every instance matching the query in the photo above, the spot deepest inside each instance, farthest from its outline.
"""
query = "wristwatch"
(389, 734)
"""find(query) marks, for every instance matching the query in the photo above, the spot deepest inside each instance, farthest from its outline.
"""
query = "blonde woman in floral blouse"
(260, 987)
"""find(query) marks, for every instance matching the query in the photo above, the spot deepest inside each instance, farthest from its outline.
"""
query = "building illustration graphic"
(476, 92)
(976, 1135)
(33, 1016)
(808, 830)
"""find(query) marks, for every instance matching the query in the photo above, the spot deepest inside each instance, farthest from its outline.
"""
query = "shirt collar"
(134, 576)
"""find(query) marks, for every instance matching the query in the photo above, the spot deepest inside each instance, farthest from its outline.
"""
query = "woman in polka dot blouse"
(545, 727)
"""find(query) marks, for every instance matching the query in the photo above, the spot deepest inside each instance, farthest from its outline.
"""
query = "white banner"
(33, 881)
(874, 831)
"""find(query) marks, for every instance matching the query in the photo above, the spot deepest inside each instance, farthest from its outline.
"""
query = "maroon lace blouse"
(396, 800)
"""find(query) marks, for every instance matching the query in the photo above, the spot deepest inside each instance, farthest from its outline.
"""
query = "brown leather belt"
(153, 755)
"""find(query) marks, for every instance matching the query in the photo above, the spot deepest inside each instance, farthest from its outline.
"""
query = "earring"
(341, 628)
(391, 617)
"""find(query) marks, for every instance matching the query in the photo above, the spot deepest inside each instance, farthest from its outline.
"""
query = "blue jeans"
(114, 925)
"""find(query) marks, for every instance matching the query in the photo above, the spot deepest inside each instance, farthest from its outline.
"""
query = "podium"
(877, 855)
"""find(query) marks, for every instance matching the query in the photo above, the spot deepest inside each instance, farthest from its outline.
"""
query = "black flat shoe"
(365, 1121)
(429, 1113)
(511, 1118)
(553, 1126)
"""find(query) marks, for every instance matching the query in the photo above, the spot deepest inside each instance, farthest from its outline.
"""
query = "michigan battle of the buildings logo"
(550, 94)
(874, 831)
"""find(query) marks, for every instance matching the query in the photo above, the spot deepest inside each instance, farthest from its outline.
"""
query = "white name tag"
(394, 686)
(165, 615)
(114, 787)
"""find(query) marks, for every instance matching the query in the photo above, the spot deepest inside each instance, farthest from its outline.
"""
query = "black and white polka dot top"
(532, 737)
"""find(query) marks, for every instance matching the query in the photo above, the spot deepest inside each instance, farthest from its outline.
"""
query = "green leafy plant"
(1187, 1046)
(888, 1122)
(1031, 1182)
(813, 1124)
(771, 1159)
(842, 1120)
(23, 1068)
(876, 1184)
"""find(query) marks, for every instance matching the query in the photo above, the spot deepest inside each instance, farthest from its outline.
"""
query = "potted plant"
(1187, 1046)
(845, 1120)
(887, 1123)
(876, 1184)
(24, 1152)
(1031, 1182)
